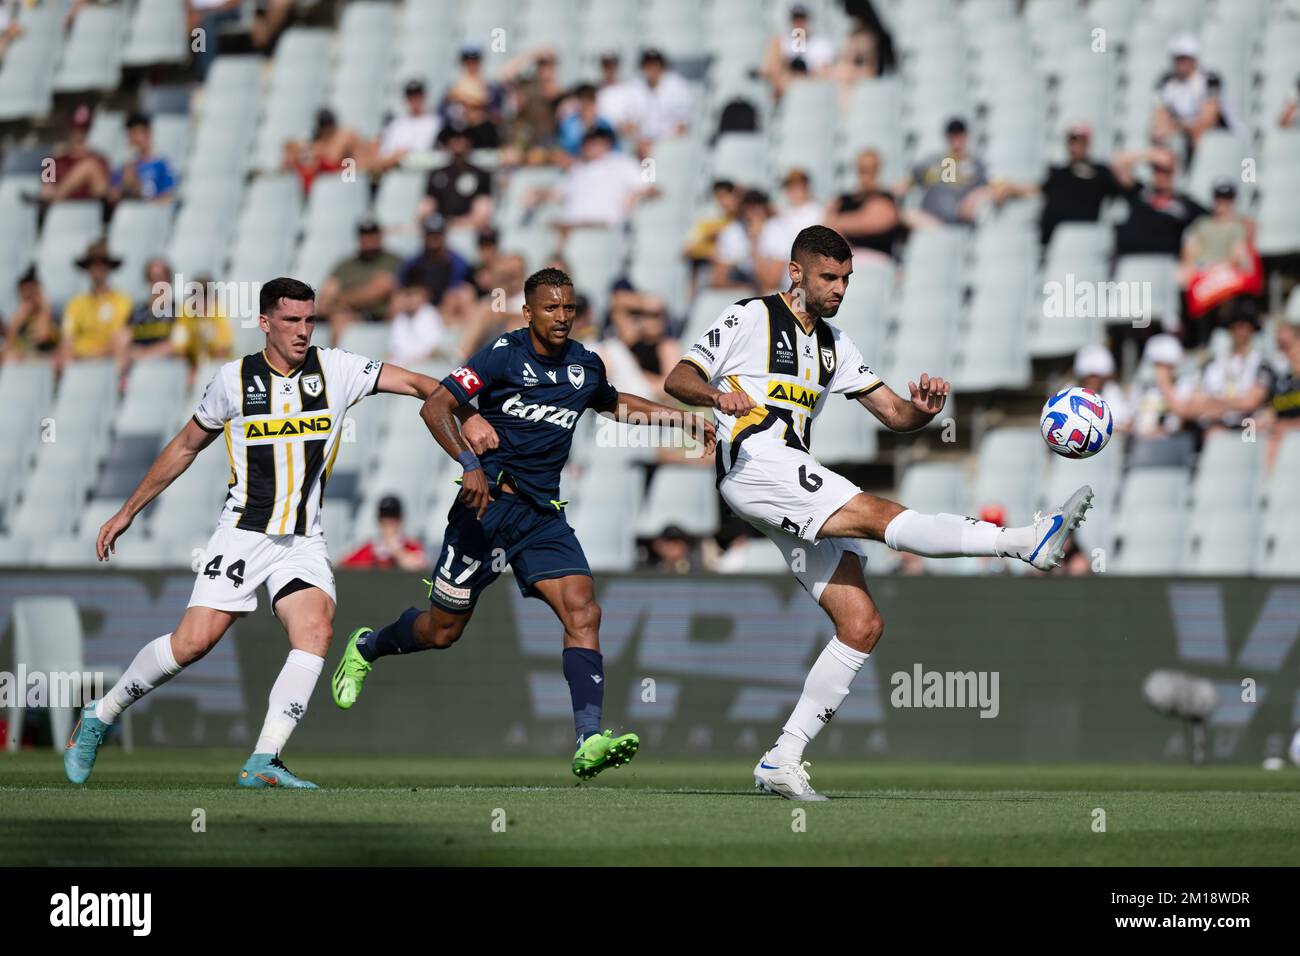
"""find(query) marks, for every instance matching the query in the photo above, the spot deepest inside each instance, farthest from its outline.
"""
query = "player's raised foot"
(266, 770)
(83, 746)
(1051, 531)
(604, 750)
(351, 672)
(785, 779)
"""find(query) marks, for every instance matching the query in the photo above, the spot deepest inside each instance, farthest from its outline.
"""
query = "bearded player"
(767, 366)
(532, 385)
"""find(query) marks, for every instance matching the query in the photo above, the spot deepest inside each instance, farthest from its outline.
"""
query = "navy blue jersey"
(534, 403)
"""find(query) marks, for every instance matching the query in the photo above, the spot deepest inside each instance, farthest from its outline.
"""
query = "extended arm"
(905, 415)
(686, 384)
(635, 410)
(170, 463)
(438, 412)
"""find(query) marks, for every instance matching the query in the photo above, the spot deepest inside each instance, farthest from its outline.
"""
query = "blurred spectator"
(147, 176)
(1188, 100)
(481, 274)
(460, 191)
(797, 212)
(358, 288)
(330, 147)
(1158, 215)
(10, 28)
(472, 103)
(659, 103)
(390, 549)
(614, 96)
(440, 270)
(579, 114)
(601, 189)
(534, 97)
(702, 241)
(415, 131)
(1094, 369)
(270, 17)
(148, 330)
(1284, 402)
(868, 217)
(675, 551)
(209, 16)
(1290, 109)
(92, 320)
(1074, 192)
(202, 332)
(416, 331)
(1234, 385)
(859, 60)
(1156, 388)
(1219, 260)
(739, 245)
(31, 330)
(1075, 564)
(641, 352)
(796, 52)
(955, 184)
(79, 171)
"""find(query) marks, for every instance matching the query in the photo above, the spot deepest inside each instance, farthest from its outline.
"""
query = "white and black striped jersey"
(282, 434)
(759, 346)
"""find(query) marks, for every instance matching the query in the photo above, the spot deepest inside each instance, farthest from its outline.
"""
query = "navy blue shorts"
(538, 545)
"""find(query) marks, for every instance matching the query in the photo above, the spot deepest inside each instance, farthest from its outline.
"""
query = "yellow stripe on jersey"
(288, 499)
(334, 453)
(755, 415)
(230, 453)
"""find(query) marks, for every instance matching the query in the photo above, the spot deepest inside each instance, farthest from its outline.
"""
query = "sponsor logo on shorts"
(457, 597)
(286, 427)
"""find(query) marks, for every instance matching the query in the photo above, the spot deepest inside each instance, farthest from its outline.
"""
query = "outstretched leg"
(1041, 544)
(157, 662)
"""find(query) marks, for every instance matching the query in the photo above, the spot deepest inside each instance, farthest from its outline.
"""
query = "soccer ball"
(1076, 423)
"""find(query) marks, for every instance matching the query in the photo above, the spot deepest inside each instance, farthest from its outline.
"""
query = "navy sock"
(585, 671)
(396, 638)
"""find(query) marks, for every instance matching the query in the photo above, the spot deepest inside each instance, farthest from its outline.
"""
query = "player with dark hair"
(532, 386)
(281, 413)
(767, 367)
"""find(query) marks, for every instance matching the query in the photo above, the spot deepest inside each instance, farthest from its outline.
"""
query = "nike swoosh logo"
(764, 766)
(1056, 523)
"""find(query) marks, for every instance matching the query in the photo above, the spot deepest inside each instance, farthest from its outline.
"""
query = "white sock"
(950, 536)
(288, 702)
(823, 691)
(154, 666)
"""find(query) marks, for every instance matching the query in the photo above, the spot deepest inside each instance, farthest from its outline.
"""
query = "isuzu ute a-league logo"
(76, 909)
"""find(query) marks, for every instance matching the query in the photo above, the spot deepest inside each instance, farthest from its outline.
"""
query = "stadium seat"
(158, 34)
(681, 495)
(140, 230)
(92, 55)
(1226, 472)
(844, 432)
(28, 70)
(48, 640)
(1219, 542)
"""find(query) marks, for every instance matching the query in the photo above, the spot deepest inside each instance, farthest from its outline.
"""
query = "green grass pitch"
(139, 810)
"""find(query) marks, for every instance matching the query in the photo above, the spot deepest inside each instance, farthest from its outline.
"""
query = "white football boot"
(789, 780)
(1052, 530)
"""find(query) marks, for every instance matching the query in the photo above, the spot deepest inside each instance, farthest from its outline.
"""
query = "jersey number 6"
(811, 482)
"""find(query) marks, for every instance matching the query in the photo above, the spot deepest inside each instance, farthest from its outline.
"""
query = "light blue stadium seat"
(157, 34)
(92, 55)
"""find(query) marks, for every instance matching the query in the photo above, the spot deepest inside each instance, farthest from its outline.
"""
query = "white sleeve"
(853, 377)
(720, 348)
(360, 375)
(215, 407)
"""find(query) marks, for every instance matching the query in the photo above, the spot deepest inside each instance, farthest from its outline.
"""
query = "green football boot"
(351, 672)
(604, 750)
(266, 770)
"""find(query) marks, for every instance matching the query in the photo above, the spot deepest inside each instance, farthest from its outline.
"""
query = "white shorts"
(788, 495)
(236, 563)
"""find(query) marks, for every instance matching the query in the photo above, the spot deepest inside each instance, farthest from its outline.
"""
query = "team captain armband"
(467, 379)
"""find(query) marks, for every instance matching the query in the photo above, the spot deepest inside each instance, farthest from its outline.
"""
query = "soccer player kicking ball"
(767, 366)
(532, 386)
(281, 412)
